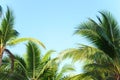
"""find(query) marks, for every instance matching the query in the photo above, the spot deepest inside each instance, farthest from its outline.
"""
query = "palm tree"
(34, 66)
(8, 36)
(105, 37)
(7, 33)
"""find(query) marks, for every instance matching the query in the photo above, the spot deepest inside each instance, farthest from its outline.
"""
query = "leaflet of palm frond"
(47, 55)
(99, 67)
(45, 68)
(20, 60)
(70, 53)
(65, 69)
(80, 77)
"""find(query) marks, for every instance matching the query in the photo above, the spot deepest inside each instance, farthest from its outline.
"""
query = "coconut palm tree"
(8, 36)
(105, 38)
(34, 66)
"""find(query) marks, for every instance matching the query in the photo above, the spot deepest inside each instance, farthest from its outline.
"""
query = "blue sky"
(53, 21)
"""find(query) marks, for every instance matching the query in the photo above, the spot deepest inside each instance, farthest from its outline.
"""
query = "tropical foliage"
(8, 36)
(34, 66)
(101, 60)
(103, 57)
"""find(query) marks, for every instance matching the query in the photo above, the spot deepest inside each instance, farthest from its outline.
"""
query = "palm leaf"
(47, 55)
(32, 58)
(103, 68)
(65, 69)
(20, 60)
(7, 27)
(104, 35)
(16, 41)
(49, 66)
(6, 73)
(82, 53)
(80, 77)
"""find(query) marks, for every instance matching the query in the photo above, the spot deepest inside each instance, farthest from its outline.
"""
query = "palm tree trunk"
(1, 54)
(0, 59)
(118, 77)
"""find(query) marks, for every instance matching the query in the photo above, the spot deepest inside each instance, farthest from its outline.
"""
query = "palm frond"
(6, 73)
(82, 53)
(65, 69)
(80, 77)
(69, 53)
(104, 35)
(19, 40)
(103, 68)
(32, 58)
(48, 68)
(20, 60)
(7, 27)
(47, 55)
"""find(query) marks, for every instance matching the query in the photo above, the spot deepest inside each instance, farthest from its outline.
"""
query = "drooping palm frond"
(105, 68)
(6, 73)
(19, 40)
(80, 77)
(85, 53)
(47, 55)
(70, 53)
(65, 69)
(96, 71)
(104, 35)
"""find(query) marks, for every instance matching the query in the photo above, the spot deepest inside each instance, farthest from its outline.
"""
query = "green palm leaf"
(104, 35)
(65, 69)
(19, 40)
(32, 58)
(7, 27)
(47, 55)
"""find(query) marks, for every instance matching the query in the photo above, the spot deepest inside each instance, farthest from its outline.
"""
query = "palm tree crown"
(105, 37)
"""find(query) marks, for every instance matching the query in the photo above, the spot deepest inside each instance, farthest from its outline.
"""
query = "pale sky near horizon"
(53, 21)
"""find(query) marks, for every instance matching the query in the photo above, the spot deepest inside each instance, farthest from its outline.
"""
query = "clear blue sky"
(53, 21)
